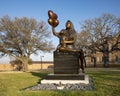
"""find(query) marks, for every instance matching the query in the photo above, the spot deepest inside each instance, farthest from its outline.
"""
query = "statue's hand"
(52, 18)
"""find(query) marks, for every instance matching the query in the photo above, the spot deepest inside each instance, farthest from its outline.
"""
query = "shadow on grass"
(38, 74)
(41, 73)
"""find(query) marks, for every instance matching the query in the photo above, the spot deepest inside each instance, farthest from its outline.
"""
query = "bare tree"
(82, 41)
(21, 37)
(99, 31)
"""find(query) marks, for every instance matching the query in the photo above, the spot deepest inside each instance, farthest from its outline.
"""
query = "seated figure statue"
(67, 37)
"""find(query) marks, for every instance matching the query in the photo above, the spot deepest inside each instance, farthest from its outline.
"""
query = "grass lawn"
(107, 83)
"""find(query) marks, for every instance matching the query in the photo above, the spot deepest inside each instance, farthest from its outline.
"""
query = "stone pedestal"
(66, 63)
(66, 67)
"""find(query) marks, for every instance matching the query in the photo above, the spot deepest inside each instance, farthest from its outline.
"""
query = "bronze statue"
(67, 37)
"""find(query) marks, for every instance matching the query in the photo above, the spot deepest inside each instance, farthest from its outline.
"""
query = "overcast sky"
(74, 10)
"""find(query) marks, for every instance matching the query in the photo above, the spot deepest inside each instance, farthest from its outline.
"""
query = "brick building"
(114, 56)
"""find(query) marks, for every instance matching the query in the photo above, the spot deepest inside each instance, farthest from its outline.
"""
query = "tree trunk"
(94, 61)
(106, 59)
(25, 64)
(85, 62)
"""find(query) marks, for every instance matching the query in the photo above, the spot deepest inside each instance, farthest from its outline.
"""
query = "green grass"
(107, 83)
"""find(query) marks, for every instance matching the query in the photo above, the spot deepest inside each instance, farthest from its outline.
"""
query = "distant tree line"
(97, 32)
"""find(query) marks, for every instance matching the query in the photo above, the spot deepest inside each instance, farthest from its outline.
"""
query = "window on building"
(91, 59)
(103, 59)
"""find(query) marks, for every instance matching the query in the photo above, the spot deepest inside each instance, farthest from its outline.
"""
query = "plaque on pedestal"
(66, 63)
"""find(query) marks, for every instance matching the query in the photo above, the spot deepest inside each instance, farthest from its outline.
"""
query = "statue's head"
(70, 30)
(69, 25)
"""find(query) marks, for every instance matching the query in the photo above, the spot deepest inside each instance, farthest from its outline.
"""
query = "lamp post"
(41, 60)
(106, 52)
